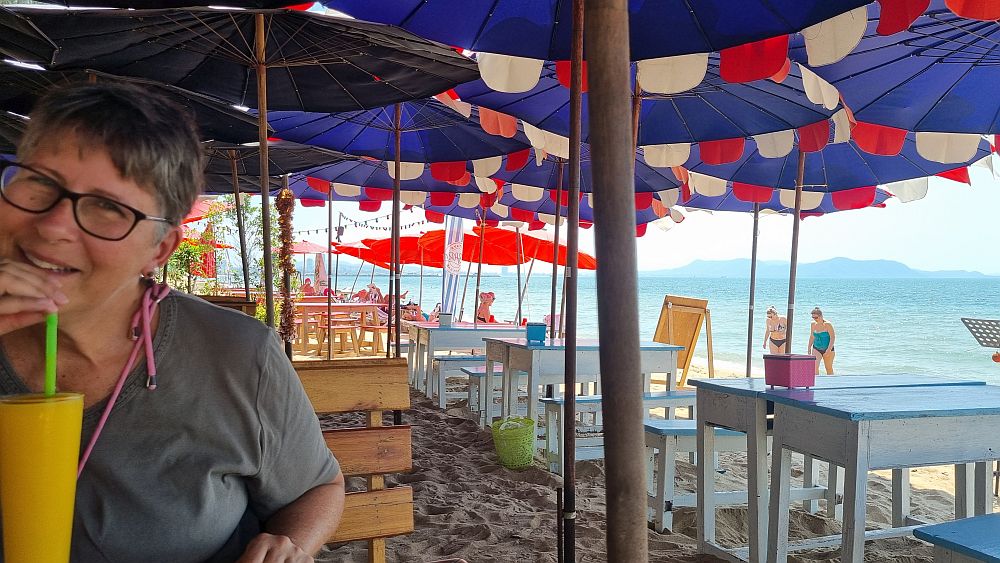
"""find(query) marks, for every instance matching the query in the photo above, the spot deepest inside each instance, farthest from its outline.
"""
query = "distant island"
(836, 268)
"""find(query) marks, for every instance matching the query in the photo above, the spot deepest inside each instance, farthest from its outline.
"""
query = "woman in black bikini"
(774, 334)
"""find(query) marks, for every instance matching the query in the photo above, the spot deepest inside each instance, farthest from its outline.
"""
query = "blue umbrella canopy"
(940, 74)
(541, 29)
(315, 62)
(431, 132)
(715, 109)
(839, 166)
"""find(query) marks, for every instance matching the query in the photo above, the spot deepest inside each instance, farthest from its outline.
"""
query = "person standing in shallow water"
(774, 333)
(821, 341)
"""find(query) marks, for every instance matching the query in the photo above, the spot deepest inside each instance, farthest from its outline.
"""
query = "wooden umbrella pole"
(793, 266)
(396, 308)
(568, 515)
(527, 278)
(553, 326)
(613, 166)
(465, 289)
(753, 285)
(420, 295)
(361, 268)
(520, 252)
(479, 270)
(336, 270)
(265, 196)
(239, 225)
(329, 262)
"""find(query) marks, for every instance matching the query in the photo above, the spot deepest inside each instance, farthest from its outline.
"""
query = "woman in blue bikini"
(821, 340)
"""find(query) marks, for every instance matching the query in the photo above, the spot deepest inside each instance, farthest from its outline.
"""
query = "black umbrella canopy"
(11, 129)
(216, 120)
(283, 158)
(314, 62)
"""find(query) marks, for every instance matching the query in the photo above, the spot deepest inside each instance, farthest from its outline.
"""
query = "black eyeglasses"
(36, 192)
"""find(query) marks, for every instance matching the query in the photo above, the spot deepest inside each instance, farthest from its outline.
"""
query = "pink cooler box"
(790, 370)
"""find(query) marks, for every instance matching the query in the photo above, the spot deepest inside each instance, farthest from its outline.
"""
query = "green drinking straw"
(51, 332)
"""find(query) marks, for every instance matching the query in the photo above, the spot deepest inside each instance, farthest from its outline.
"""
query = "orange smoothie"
(39, 452)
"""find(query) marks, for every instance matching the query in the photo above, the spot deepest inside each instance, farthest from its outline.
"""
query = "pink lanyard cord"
(143, 338)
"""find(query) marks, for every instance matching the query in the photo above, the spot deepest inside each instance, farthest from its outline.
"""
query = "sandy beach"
(468, 506)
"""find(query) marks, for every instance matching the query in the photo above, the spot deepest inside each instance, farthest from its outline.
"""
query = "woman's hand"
(26, 295)
(270, 548)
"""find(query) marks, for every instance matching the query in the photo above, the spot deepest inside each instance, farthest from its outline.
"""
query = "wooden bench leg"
(554, 439)
(834, 509)
(810, 476)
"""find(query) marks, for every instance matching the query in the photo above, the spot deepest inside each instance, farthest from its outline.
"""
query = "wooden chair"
(370, 385)
(343, 330)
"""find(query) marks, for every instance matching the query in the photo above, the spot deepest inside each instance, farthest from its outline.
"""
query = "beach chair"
(371, 386)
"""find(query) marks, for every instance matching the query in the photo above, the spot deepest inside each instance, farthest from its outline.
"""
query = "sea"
(883, 326)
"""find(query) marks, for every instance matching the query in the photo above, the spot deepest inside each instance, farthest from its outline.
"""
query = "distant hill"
(842, 268)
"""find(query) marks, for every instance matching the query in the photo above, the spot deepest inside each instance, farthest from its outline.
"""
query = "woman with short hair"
(198, 443)
(821, 340)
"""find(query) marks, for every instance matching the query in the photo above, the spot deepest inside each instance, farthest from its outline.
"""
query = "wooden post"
(553, 326)
(239, 224)
(613, 165)
(793, 267)
(265, 196)
(520, 254)
(329, 264)
(479, 271)
(570, 285)
(753, 286)
(396, 309)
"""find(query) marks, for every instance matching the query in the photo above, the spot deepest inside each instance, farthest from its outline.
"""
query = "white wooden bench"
(964, 541)
(482, 393)
(593, 447)
(667, 437)
(441, 366)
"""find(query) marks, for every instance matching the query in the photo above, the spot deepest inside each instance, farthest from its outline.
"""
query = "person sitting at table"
(821, 341)
(433, 316)
(206, 448)
(308, 288)
(483, 314)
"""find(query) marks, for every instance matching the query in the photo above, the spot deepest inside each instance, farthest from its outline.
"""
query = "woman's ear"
(166, 246)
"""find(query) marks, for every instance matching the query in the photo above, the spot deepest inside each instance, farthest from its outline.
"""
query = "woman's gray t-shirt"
(189, 471)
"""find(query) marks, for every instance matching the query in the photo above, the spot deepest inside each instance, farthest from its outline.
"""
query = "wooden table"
(742, 404)
(428, 339)
(964, 541)
(891, 428)
(544, 364)
(304, 310)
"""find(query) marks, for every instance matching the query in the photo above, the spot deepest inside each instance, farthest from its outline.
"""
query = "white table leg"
(965, 490)
(757, 481)
(534, 374)
(706, 482)
(777, 524)
(900, 496)
(418, 375)
(486, 386)
(855, 491)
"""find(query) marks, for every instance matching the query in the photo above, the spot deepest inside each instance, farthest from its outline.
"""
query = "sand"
(468, 506)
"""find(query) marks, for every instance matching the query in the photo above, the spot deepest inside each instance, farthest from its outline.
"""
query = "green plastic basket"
(515, 445)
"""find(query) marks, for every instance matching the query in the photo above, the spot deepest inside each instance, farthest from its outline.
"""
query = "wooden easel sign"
(680, 324)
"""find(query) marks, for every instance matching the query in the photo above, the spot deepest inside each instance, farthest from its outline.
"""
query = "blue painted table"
(964, 541)
(865, 429)
(742, 404)
(544, 364)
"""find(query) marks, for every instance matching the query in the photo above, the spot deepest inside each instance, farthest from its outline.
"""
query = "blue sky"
(954, 228)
